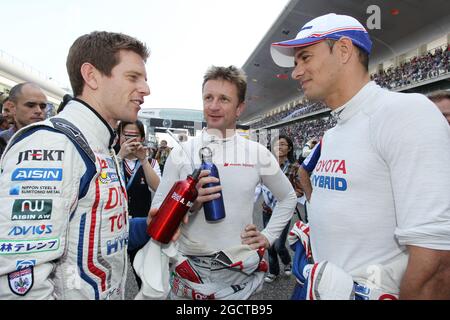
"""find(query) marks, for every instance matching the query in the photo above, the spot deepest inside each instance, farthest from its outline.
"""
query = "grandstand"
(187, 121)
(407, 57)
(178, 120)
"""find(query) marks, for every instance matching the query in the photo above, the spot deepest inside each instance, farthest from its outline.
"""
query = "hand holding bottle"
(214, 209)
(153, 212)
(204, 193)
(173, 209)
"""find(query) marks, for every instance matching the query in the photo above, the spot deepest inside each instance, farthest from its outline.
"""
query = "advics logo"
(30, 230)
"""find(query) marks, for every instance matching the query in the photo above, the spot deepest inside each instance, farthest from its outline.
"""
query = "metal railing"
(28, 68)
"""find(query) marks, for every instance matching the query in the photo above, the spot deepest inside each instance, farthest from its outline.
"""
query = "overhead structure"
(403, 26)
(159, 120)
(12, 73)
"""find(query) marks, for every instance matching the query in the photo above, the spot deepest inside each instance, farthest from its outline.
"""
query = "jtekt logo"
(40, 155)
(32, 209)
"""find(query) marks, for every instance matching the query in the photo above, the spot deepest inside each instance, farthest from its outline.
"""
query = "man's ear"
(90, 75)
(8, 104)
(346, 49)
(240, 108)
(12, 107)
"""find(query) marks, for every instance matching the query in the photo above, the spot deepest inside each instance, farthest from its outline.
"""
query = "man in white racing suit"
(221, 260)
(63, 215)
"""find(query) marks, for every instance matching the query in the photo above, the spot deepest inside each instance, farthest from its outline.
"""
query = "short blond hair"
(232, 74)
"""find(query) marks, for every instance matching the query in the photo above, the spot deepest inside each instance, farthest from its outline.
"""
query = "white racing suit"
(234, 273)
(63, 211)
(231, 274)
(324, 280)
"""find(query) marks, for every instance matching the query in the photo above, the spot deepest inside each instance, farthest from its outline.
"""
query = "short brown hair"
(232, 74)
(101, 49)
(439, 95)
(362, 55)
(16, 92)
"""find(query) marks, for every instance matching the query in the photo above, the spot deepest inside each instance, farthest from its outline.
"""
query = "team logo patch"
(32, 209)
(21, 281)
(23, 264)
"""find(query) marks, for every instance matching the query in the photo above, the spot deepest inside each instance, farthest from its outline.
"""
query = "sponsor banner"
(8, 247)
(37, 174)
(32, 209)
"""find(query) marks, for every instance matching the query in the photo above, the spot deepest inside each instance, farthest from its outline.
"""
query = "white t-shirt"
(242, 164)
(382, 182)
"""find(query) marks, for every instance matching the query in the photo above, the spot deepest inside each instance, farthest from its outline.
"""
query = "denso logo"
(115, 198)
(40, 155)
(37, 174)
(30, 230)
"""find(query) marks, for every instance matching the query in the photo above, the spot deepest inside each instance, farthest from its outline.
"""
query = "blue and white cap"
(329, 26)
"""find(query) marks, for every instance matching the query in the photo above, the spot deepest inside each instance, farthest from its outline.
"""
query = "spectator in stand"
(442, 100)
(419, 68)
(298, 110)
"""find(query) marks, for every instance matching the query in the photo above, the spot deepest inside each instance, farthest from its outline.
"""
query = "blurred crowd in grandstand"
(419, 68)
(299, 110)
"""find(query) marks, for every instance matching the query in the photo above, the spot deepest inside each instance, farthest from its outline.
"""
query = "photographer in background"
(141, 173)
(162, 154)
